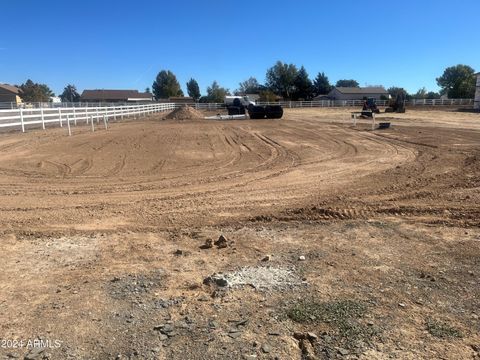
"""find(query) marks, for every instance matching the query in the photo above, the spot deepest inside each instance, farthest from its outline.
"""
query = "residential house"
(360, 93)
(178, 100)
(10, 94)
(113, 96)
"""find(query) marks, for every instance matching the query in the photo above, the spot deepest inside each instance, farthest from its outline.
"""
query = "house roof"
(113, 94)
(181, 98)
(145, 95)
(321, 97)
(362, 90)
(12, 89)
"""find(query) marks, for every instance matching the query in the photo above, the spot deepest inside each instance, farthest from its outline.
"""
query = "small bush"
(310, 311)
(342, 315)
(442, 330)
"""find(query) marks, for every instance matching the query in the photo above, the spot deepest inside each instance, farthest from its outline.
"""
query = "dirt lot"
(340, 242)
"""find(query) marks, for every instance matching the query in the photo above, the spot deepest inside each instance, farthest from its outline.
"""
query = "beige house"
(360, 93)
(9, 94)
(121, 96)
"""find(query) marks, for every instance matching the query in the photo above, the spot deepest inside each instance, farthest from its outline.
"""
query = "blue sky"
(123, 44)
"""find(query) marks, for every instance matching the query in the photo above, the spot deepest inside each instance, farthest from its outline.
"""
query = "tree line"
(289, 82)
(282, 81)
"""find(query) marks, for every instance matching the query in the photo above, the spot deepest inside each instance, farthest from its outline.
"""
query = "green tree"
(303, 85)
(458, 82)
(347, 83)
(421, 93)
(267, 95)
(281, 79)
(33, 92)
(166, 85)
(70, 94)
(216, 93)
(394, 91)
(321, 85)
(147, 90)
(432, 95)
(193, 89)
(249, 86)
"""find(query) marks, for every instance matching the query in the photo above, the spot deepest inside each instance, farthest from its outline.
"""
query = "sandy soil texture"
(340, 242)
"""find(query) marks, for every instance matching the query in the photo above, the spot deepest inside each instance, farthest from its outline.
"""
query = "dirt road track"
(155, 173)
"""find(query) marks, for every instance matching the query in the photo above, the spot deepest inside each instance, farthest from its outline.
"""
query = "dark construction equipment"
(237, 108)
(273, 111)
(238, 105)
(265, 112)
(369, 107)
(256, 112)
(398, 104)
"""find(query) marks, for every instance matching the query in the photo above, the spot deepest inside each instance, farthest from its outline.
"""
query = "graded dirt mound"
(184, 113)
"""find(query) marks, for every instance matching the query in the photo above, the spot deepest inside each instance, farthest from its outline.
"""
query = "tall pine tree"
(166, 85)
(303, 85)
(193, 89)
(321, 85)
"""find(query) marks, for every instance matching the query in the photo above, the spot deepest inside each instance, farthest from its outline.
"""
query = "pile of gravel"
(261, 277)
(184, 113)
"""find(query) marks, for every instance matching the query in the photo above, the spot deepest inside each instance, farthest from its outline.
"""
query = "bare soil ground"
(340, 242)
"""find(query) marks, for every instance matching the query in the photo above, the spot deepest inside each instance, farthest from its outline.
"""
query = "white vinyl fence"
(342, 103)
(35, 117)
(216, 106)
(32, 116)
(52, 105)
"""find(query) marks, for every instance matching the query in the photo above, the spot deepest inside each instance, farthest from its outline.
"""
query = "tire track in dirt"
(279, 156)
(63, 170)
(232, 168)
(172, 141)
(84, 166)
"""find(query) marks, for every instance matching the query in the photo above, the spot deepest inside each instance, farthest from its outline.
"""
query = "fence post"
(105, 122)
(43, 118)
(93, 125)
(21, 120)
(68, 125)
(60, 116)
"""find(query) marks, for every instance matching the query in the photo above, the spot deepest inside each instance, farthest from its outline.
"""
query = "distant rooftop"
(362, 90)
(103, 94)
(10, 88)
